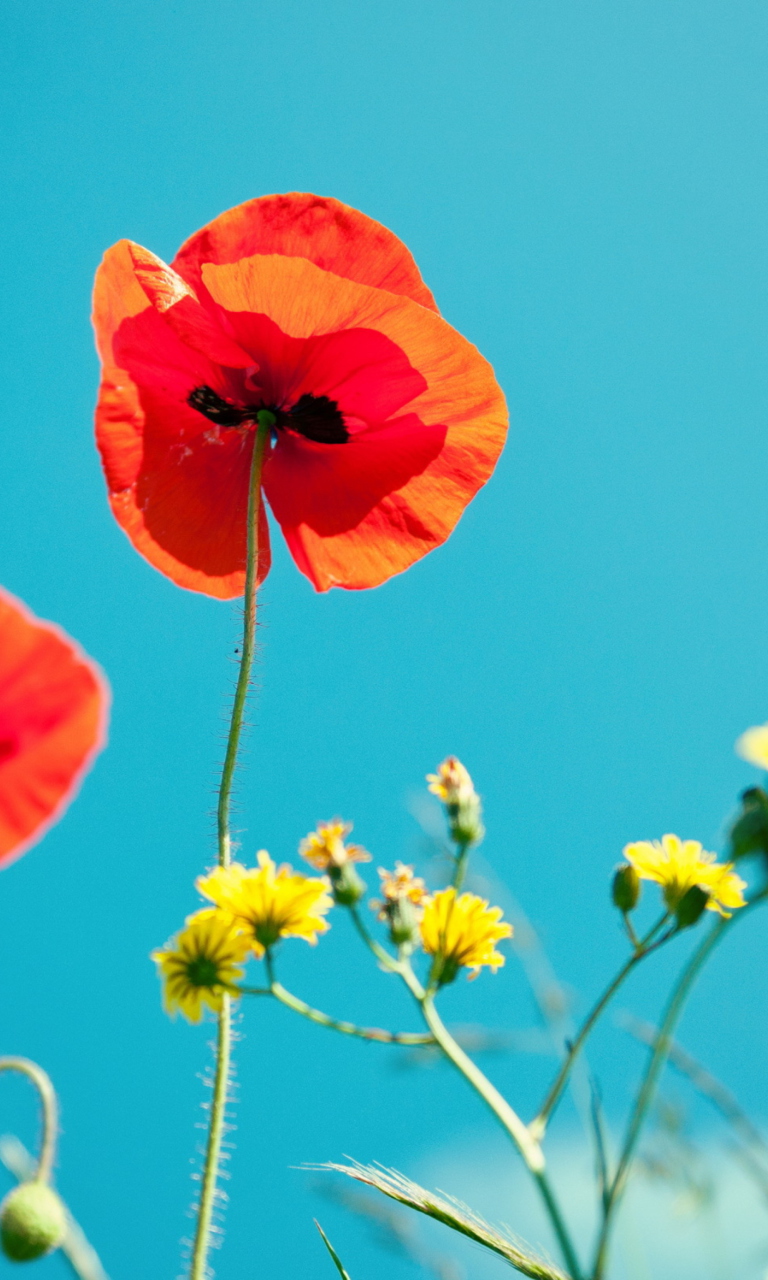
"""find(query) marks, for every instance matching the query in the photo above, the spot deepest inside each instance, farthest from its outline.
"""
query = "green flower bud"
(749, 829)
(32, 1222)
(346, 885)
(403, 917)
(465, 821)
(626, 888)
(691, 907)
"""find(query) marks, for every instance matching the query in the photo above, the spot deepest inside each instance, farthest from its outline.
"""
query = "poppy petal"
(330, 234)
(183, 508)
(342, 528)
(53, 715)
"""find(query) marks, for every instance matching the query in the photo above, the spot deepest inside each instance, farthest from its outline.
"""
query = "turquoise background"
(584, 187)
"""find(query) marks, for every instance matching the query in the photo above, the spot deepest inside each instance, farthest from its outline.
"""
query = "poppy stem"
(199, 1269)
(42, 1082)
(249, 636)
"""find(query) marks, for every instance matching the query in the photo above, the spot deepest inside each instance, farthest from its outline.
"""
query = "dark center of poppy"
(316, 417)
(8, 748)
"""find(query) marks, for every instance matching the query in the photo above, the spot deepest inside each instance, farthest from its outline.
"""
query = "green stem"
(539, 1124)
(335, 1024)
(672, 1012)
(249, 637)
(202, 1244)
(386, 961)
(199, 1268)
(525, 1143)
(460, 870)
(42, 1082)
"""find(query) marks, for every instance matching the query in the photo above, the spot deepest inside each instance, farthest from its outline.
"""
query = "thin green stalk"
(202, 1244)
(525, 1143)
(460, 870)
(386, 960)
(539, 1124)
(42, 1082)
(335, 1024)
(249, 636)
(658, 1056)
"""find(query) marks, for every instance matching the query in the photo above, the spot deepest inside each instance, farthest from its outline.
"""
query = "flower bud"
(749, 829)
(403, 917)
(626, 888)
(32, 1222)
(455, 788)
(346, 885)
(691, 907)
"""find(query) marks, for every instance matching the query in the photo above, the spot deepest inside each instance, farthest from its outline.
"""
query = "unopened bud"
(403, 916)
(691, 907)
(749, 830)
(32, 1222)
(455, 788)
(346, 885)
(626, 888)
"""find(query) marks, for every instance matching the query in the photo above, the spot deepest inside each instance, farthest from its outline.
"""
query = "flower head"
(269, 902)
(53, 716)
(456, 789)
(386, 421)
(325, 850)
(402, 905)
(202, 963)
(753, 745)
(462, 932)
(400, 885)
(452, 782)
(677, 865)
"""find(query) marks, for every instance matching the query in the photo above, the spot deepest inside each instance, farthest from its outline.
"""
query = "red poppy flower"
(53, 716)
(387, 421)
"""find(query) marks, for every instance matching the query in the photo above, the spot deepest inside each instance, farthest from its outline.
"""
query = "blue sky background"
(584, 187)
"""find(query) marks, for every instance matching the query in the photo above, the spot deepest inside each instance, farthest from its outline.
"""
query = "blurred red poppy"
(53, 717)
(387, 421)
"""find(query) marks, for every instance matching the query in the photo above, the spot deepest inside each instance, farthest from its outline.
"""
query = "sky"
(584, 187)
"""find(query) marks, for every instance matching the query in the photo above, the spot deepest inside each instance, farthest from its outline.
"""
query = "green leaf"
(344, 1274)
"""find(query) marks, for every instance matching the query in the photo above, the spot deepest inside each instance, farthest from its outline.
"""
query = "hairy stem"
(199, 1267)
(249, 638)
(42, 1082)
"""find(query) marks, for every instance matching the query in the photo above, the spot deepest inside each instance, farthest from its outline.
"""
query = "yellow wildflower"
(269, 902)
(753, 745)
(677, 865)
(325, 850)
(201, 963)
(452, 782)
(462, 932)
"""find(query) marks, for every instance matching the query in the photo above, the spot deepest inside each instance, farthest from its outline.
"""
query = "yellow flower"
(753, 745)
(461, 932)
(452, 782)
(677, 865)
(269, 902)
(324, 848)
(201, 963)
